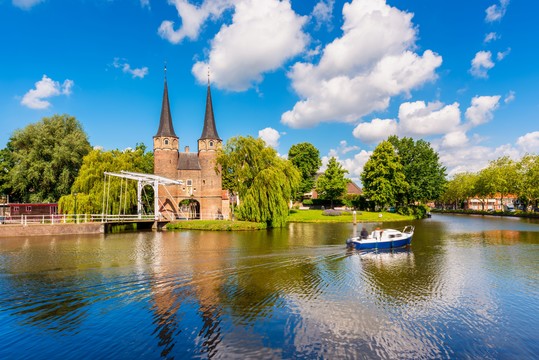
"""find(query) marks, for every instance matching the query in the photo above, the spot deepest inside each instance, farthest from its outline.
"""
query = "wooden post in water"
(354, 213)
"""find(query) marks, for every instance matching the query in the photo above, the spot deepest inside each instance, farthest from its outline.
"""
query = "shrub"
(331, 212)
(307, 202)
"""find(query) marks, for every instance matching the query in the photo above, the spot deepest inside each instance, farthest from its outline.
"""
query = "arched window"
(211, 143)
(166, 141)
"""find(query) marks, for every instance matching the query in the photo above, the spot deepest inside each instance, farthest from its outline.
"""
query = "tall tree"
(46, 158)
(306, 158)
(528, 171)
(332, 184)
(460, 188)
(264, 182)
(383, 177)
(87, 190)
(422, 169)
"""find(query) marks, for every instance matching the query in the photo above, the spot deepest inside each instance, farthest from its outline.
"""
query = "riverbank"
(521, 214)
(296, 216)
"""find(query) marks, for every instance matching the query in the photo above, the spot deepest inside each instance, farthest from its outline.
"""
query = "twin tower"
(201, 196)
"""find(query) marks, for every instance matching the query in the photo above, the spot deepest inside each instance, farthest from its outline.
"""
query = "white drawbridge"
(142, 180)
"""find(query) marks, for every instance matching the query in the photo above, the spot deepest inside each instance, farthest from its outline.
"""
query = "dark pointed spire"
(165, 123)
(209, 131)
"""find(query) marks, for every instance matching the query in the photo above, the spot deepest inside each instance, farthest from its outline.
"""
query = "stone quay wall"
(50, 229)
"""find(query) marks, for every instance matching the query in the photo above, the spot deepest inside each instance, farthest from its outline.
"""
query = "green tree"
(264, 182)
(46, 158)
(6, 164)
(331, 185)
(306, 158)
(88, 187)
(459, 189)
(528, 171)
(383, 176)
(422, 169)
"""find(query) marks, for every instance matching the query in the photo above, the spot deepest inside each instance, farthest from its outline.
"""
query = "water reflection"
(285, 293)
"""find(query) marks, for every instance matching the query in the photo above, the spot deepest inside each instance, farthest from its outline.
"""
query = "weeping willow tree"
(89, 188)
(264, 182)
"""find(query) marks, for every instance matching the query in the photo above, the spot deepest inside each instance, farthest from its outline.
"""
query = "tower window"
(166, 141)
(189, 182)
(211, 143)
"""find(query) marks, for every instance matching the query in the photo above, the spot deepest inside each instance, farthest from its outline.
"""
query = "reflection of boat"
(383, 239)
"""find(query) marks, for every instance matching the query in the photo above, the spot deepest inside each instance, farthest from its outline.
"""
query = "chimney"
(187, 149)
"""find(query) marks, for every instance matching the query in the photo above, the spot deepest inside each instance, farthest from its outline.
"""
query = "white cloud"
(323, 13)
(26, 4)
(491, 36)
(496, 12)
(376, 130)
(126, 68)
(481, 64)
(344, 148)
(354, 165)
(509, 97)
(454, 139)
(270, 136)
(502, 54)
(481, 109)
(418, 118)
(193, 17)
(44, 89)
(474, 158)
(529, 143)
(263, 35)
(359, 72)
(145, 3)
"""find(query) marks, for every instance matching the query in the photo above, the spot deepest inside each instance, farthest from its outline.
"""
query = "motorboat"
(383, 239)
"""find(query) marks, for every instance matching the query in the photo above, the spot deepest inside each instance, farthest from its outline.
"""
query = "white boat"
(383, 239)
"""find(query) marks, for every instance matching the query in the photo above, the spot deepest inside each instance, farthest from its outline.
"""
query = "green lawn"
(307, 216)
(215, 225)
(315, 216)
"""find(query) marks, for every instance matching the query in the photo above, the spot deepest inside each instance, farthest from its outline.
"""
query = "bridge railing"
(71, 218)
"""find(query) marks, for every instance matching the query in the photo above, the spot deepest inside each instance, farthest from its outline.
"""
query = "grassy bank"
(306, 216)
(215, 225)
(316, 216)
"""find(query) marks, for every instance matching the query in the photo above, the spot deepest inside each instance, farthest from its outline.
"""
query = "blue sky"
(342, 75)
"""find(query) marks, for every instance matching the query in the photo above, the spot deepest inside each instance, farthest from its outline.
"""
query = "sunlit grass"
(215, 225)
(316, 216)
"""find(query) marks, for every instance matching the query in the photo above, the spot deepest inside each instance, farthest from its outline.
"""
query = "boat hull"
(373, 244)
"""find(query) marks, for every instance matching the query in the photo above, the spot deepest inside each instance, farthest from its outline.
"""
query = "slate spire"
(165, 123)
(209, 131)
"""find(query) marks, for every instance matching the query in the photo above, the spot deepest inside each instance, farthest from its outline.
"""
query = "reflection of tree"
(50, 301)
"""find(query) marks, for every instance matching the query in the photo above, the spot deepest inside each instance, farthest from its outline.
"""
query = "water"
(468, 288)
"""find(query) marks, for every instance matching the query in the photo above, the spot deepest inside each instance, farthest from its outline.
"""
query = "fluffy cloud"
(270, 136)
(529, 143)
(193, 17)
(481, 109)
(491, 36)
(323, 13)
(455, 139)
(262, 36)
(45, 88)
(509, 97)
(496, 12)
(502, 54)
(26, 4)
(359, 72)
(481, 64)
(126, 68)
(418, 118)
(376, 130)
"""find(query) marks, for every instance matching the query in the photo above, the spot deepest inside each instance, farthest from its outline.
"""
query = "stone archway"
(190, 208)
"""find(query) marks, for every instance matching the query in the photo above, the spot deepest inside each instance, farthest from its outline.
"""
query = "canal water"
(467, 288)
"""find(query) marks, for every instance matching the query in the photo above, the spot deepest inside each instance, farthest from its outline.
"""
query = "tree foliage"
(425, 175)
(502, 177)
(332, 184)
(88, 188)
(306, 158)
(45, 158)
(264, 182)
(383, 176)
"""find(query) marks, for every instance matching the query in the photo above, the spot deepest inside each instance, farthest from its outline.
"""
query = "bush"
(331, 212)
(417, 211)
(307, 202)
